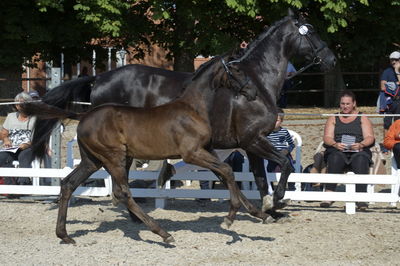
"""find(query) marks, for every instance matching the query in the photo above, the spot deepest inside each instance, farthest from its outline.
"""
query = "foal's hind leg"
(205, 159)
(68, 186)
(123, 194)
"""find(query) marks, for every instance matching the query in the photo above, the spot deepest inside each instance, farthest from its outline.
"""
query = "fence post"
(55, 135)
(351, 189)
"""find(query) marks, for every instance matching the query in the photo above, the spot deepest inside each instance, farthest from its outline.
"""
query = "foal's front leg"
(224, 172)
(123, 194)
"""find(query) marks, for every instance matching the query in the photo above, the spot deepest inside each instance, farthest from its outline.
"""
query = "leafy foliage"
(188, 28)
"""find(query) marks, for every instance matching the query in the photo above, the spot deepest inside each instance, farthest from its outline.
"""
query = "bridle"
(305, 30)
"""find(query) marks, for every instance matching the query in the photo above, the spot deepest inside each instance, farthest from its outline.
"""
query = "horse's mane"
(205, 66)
(245, 53)
(242, 54)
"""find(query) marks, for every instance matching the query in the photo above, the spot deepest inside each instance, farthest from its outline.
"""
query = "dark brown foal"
(110, 134)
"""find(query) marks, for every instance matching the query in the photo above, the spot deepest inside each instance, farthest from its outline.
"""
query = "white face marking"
(303, 30)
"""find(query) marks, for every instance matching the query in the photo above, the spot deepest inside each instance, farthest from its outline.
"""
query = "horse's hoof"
(267, 204)
(169, 239)
(276, 215)
(228, 222)
(269, 220)
(281, 204)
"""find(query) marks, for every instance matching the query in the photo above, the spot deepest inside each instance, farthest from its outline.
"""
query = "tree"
(187, 28)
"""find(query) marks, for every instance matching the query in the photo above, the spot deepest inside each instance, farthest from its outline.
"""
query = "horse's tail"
(44, 111)
(60, 96)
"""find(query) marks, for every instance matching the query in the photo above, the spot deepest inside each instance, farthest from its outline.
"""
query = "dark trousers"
(394, 108)
(24, 159)
(337, 165)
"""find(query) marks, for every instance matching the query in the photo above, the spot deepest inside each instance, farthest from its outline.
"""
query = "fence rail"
(350, 196)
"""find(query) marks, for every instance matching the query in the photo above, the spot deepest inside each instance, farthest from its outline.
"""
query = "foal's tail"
(45, 113)
(60, 96)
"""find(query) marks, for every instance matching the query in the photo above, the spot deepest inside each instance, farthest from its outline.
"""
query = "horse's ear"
(293, 13)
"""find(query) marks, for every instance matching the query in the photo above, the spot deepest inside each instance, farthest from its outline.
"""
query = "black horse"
(110, 136)
(241, 115)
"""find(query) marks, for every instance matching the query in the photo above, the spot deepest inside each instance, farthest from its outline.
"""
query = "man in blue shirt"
(389, 98)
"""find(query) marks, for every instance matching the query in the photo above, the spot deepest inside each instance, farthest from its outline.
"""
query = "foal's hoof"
(67, 240)
(228, 222)
(267, 203)
(114, 200)
(281, 204)
(169, 240)
(269, 220)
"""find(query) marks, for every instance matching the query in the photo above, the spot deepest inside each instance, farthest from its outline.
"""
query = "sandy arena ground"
(105, 234)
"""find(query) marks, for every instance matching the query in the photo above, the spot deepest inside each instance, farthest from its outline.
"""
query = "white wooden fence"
(160, 195)
(350, 196)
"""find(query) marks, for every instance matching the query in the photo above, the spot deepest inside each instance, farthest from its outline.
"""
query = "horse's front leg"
(257, 167)
(166, 172)
(264, 149)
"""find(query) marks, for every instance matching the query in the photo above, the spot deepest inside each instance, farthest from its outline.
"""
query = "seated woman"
(16, 133)
(347, 140)
(392, 141)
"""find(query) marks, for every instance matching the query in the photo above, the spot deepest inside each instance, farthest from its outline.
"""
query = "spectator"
(283, 142)
(16, 133)
(287, 85)
(84, 73)
(392, 141)
(389, 97)
(34, 95)
(347, 140)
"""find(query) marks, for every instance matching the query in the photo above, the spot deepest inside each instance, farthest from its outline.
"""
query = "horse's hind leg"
(205, 159)
(68, 186)
(123, 194)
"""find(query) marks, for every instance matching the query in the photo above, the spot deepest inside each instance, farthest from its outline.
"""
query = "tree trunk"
(184, 61)
(333, 85)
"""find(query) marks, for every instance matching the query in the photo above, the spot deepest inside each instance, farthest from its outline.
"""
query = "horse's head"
(309, 44)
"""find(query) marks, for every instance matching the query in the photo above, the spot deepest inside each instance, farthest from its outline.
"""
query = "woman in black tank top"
(347, 140)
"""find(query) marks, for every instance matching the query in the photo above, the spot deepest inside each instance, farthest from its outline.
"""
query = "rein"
(232, 76)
